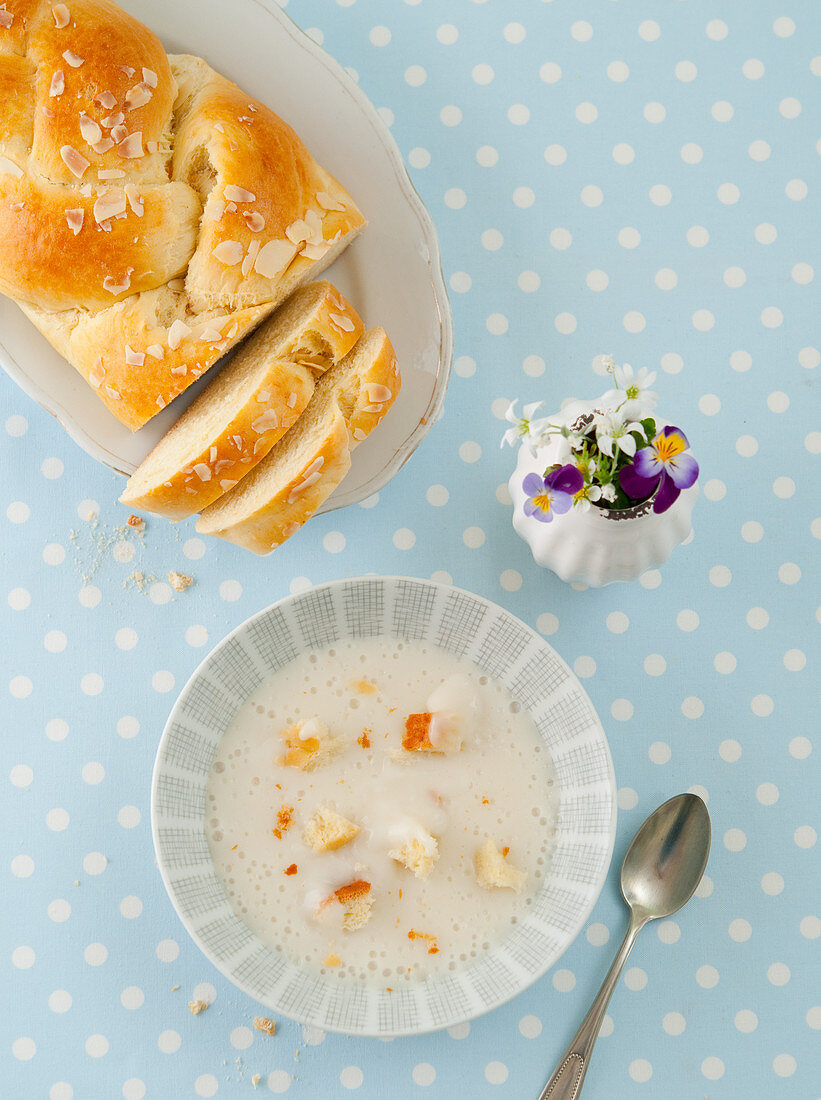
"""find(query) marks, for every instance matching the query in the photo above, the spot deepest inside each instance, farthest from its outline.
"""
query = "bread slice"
(238, 418)
(302, 470)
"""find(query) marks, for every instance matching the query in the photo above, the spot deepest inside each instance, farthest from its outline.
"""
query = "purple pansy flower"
(661, 463)
(553, 494)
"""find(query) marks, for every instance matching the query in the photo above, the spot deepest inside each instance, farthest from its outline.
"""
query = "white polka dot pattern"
(605, 180)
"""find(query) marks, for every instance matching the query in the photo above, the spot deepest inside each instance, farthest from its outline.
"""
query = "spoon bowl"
(666, 858)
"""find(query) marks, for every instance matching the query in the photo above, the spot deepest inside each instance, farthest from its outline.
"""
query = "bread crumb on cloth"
(179, 581)
(196, 1007)
(265, 1025)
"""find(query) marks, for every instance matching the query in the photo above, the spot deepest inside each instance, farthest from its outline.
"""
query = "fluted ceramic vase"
(600, 546)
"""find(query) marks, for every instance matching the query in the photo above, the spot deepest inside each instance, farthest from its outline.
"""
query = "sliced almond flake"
(244, 118)
(89, 129)
(263, 396)
(161, 401)
(342, 321)
(232, 331)
(210, 336)
(298, 231)
(203, 471)
(117, 119)
(96, 375)
(85, 190)
(226, 484)
(228, 252)
(375, 408)
(75, 220)
(265, 422)
(237, 194)
(358, 434)
(223, 463)
(58, 83)
(113, 287)
(291, 400)
(134, 358)
(6, 17)
(314, 223)
(212, 454)
(132, 146)
(135, 199)
(156, 351)
(47, 112)
(273, 258)
(149, 77)
(251, 107)
(74, 161)
(15, 206)
(250, 257)
(378, 392)
(112, 174)
(119, 133)
(115, 395)
(178, 331)
(314, 251)
(137, 96)
(62, 16)
(216, 209)
(232, 145)
(260, 445)
(105, 227)
(103, 146)
(182, 369)
(73, 59)
(328, 202)
(105, 100)
(110, 203)
(298, 490)
(129, 72)
(238, 441)
(231, 208)
(254, 221)
(9, 168)
(219, 126)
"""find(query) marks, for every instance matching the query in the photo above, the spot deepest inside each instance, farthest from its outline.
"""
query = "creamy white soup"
(381, 810)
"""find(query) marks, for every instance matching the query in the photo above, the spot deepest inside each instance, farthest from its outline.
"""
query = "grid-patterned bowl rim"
(466, 625)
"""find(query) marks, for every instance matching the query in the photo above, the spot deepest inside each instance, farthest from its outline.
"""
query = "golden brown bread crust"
(98, 213)
(282, 508)
(244, 435)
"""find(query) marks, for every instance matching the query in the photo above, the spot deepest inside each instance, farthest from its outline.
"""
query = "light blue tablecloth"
(636, 178)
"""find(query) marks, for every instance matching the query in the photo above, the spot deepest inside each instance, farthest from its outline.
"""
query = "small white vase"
(599, 546)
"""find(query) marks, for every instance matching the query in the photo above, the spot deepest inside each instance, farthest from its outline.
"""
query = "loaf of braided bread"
(151, 213)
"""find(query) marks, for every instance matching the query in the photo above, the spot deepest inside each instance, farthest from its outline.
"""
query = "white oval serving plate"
(461, 623)
(392, 273)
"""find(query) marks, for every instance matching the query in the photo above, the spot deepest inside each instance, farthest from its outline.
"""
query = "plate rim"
(157, 772)
(433, 262)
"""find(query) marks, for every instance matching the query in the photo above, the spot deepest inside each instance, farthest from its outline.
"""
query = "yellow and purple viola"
(663, 467)
(551, 495)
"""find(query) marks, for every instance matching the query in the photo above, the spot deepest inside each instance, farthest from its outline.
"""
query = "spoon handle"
(566, 1082)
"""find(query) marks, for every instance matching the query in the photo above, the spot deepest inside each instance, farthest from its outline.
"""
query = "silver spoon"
(661, 870)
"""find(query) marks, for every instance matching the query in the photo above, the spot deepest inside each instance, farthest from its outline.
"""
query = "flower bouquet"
(612, 460)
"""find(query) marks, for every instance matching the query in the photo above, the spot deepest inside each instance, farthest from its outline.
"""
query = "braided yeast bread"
(151, 213)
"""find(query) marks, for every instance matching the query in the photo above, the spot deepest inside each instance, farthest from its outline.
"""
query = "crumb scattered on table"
(137, 522)
(196, 1007)
(255, 1080)
(265, 1025)
(179, 581)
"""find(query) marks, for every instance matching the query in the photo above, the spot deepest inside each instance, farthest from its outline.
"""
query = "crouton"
(417, 733)
(357, 900)
(328, 830)
(419, 851)
(308, 745)
(493, 869)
